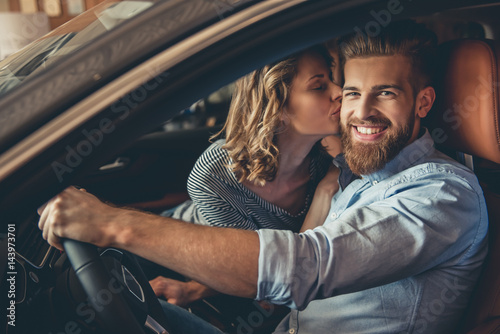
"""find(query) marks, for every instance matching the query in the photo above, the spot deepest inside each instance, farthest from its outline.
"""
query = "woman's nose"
(336, 92)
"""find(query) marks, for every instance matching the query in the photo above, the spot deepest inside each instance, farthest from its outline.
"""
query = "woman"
(265, 173)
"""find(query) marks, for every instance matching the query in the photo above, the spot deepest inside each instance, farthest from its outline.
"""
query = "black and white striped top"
(218, 199)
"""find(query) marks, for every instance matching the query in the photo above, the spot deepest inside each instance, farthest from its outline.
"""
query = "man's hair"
(406, 38)
(255, 117)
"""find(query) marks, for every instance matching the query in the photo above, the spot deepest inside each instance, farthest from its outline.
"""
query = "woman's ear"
(425, 100)
(285, 119)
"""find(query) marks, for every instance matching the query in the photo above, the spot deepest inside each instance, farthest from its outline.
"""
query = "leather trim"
(465, 115)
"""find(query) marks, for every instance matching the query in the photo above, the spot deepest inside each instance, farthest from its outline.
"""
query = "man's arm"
(392, 234)
(222, 258)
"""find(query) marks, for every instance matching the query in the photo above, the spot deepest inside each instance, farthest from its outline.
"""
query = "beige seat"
(465, 119)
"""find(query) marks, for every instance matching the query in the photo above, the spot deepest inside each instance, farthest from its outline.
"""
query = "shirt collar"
(409, 156)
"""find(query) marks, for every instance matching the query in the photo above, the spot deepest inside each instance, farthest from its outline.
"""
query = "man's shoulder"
(439, 163)
(421, 158)
(439, 167)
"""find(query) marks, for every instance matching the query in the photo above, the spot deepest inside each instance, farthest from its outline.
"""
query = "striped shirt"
(218, 199)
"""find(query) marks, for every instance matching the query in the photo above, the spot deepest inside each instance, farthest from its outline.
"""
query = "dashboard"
(42, 286)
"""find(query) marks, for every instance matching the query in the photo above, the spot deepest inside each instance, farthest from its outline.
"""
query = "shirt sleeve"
(415, 227)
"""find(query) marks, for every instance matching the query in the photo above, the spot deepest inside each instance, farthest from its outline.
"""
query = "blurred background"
(23, 21)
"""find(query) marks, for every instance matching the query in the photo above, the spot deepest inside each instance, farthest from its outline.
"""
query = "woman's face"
(313, 107)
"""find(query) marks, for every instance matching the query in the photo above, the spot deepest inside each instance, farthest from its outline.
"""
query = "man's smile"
(369, 133)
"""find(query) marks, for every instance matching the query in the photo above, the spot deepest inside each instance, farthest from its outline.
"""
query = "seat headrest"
(465, 116)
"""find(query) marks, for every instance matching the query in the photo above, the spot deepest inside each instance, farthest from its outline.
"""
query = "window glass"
(65, 40)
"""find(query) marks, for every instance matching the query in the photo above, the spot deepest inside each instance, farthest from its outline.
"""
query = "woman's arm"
(320, 205)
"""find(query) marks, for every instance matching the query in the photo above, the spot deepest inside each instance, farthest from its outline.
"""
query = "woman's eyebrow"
(316, 76)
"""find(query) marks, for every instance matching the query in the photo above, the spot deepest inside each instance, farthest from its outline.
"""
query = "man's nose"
(365, 108)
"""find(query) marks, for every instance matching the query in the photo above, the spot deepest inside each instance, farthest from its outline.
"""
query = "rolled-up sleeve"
(411, 228)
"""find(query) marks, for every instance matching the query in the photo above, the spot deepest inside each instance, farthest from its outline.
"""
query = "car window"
(66, 39)
(210, 111)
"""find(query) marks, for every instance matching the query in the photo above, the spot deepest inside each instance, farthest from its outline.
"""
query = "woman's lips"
(336, 111)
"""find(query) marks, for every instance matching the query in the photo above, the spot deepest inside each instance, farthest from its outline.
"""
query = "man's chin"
(368, 156)
(364, 159)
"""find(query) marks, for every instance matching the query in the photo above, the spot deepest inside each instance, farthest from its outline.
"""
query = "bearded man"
(404, 240)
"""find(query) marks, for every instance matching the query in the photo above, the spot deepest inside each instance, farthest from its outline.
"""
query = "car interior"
(151, 174)
(468, 92)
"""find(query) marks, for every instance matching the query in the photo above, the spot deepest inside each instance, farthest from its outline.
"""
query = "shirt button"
(333, 215)
(375, 182)
(292, 331)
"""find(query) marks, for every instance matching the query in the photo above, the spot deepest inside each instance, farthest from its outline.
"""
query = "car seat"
(465, 124)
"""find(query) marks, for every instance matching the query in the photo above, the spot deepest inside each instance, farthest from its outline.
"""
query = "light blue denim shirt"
(400, 251)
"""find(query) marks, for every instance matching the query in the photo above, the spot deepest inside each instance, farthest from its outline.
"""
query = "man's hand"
(76, 214)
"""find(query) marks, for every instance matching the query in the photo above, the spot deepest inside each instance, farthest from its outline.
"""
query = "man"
(402, 245)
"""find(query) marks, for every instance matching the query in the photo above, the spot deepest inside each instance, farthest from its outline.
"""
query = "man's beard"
(366, 158)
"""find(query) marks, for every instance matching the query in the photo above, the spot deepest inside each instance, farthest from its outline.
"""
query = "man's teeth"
(368, 131)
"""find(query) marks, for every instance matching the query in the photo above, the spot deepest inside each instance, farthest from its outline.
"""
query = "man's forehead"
(379, 59)
(367, 72)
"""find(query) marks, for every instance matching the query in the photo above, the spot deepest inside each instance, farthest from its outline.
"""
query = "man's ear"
(425, 100)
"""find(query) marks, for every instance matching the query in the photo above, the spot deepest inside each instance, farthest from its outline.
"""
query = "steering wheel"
(119, 308)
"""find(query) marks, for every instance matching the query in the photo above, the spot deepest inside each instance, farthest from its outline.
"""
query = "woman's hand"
(323, 195)
(332, 145)
(329, 185)
(180, 293)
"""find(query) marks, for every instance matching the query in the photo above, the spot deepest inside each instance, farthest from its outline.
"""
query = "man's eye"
(386, 93)
(350, 94)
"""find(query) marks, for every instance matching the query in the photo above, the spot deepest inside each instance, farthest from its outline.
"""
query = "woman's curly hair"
(255, 117)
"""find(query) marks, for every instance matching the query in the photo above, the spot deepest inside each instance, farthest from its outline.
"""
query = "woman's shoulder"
(215, 154)
(214, 161)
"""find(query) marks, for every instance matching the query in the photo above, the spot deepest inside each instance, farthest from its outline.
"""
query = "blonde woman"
(265, 172)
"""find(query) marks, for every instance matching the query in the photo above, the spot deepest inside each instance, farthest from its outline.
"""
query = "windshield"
(66, 39)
